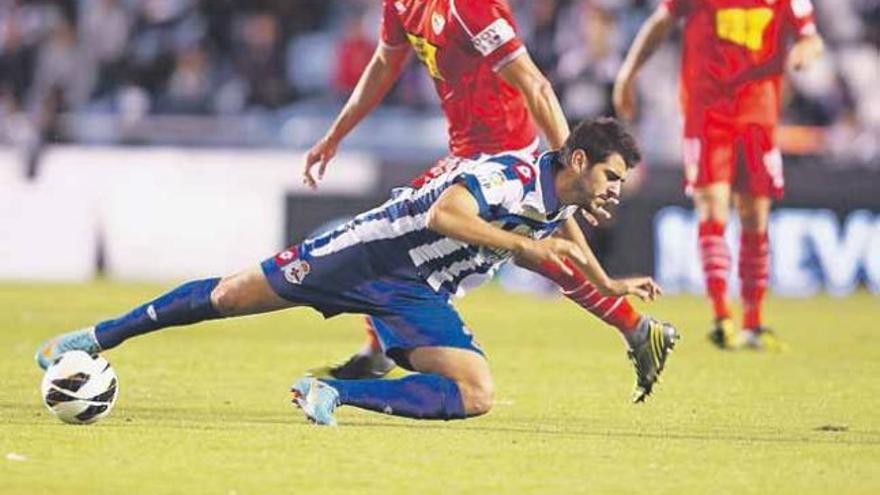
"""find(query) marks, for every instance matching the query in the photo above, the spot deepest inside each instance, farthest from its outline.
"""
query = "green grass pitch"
(204, 410)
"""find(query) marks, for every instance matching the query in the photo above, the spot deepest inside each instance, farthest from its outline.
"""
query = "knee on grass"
(477, 396)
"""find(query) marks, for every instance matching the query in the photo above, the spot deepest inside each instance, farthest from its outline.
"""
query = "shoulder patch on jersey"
(493, 37)
(295, 271)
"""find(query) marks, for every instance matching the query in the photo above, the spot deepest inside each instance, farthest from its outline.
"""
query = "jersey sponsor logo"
(743, 26)
(437, 22)
(493, 37)
(427, 53)
(525, 173)
(295, 271)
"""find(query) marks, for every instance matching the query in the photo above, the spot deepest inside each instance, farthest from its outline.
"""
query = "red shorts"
(742, 155)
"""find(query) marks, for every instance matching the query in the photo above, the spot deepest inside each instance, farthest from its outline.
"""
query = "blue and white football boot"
(316, 399)
(78, 340)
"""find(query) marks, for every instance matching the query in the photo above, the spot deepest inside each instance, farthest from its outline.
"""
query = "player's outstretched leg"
(199, 300)
(649, 348)
(453, 384)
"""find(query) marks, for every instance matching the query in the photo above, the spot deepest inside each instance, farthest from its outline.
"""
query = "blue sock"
(187, 304)
(420, 396)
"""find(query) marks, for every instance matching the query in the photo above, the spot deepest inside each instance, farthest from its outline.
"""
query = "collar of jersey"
(548, 184)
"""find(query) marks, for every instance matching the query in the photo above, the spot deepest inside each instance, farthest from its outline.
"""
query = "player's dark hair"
(600, 138)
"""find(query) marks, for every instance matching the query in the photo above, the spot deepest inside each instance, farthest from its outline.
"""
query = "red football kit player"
(493, 96)
(734, 53)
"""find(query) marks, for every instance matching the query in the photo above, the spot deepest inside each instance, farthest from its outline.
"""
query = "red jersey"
(734, 55)
(463, 44)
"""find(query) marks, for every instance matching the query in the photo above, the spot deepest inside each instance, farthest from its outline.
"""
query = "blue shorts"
(406, 312)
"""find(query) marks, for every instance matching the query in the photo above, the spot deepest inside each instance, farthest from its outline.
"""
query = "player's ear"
(579, 160)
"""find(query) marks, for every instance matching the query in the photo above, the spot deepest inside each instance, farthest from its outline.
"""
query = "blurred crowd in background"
(66, 67)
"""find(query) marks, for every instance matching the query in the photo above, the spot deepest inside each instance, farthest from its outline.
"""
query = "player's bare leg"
(450, 383)
(246, 292)
(712, 204)
(754, 270)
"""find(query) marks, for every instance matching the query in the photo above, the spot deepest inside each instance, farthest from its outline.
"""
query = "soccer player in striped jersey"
(493, 96)
(402, 262)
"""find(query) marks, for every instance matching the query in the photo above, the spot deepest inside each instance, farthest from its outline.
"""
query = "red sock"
(615, 311)
(715, 256)
(371, 341)
(754, 272)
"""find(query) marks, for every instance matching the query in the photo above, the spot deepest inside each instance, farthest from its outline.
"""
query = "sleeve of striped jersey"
(493, 188)
(678, 8)
(803, 18)
(391, 32)
(491, 29)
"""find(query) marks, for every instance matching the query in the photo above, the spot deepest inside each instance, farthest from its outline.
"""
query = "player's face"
(598, 185)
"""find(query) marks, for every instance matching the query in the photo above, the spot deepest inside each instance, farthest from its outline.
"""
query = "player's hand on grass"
(321, 153)
(532, 253)
(624, 98)
(642, 287)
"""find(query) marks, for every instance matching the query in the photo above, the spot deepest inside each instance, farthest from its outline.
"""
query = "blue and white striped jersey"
(512, 194)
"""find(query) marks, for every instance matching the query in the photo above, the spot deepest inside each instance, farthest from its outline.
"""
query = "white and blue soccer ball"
(80, 388)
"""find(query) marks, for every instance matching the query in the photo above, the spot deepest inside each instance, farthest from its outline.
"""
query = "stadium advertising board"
(812, 250)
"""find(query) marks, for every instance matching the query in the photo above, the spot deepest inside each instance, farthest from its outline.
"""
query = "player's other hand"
(554, 251)
(624, 98)
(320, 155)
(642, 287)
(599, 214)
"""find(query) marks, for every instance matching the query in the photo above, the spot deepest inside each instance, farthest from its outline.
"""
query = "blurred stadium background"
(160, 139)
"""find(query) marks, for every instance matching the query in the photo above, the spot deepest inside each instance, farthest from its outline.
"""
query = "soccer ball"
(80, 388)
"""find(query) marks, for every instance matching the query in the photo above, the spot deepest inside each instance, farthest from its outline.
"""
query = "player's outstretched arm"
(382, 71)
(524, 75)
(642, 287)
(651, 35)
(456, 215)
